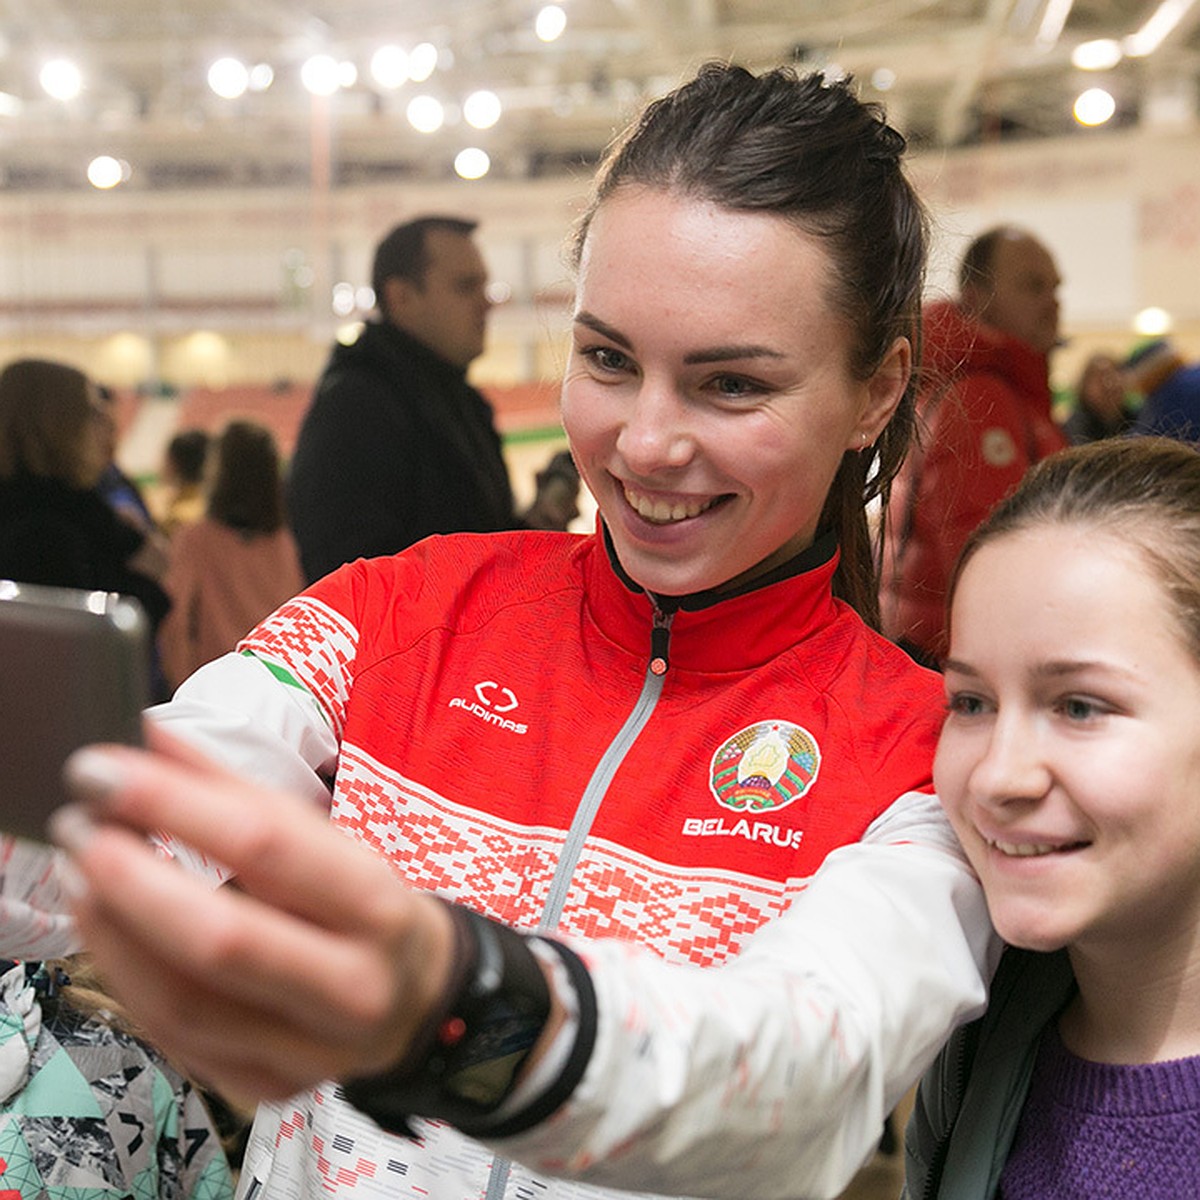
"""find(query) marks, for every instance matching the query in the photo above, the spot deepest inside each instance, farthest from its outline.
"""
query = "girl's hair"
(808, 150)
(45, 409)
(1144, 491)
(247, 487)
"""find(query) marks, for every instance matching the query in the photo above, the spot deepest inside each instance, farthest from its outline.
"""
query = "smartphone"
(74, 669)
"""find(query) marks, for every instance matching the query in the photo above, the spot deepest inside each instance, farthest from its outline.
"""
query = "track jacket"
(984, 419)
(508, 721)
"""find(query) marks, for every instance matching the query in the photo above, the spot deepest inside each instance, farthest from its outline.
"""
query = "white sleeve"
(35, 917)
(242, 716)
(771, 1076)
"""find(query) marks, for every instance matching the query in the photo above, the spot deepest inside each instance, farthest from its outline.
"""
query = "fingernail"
(92, 774)
(71, 828)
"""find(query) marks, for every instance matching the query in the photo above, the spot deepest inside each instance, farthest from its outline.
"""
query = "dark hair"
(247, 486)
(808, 150)
(45, 408)
(560, 465)
(404, 254)
(978, 265)
(187, 452)
(1143, 491)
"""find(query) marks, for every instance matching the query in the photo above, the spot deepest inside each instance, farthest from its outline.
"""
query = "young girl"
(674, 750)
(1069, 765)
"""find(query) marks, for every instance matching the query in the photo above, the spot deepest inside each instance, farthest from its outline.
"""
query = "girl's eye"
(1079, 708)
(965, 704)
(606, 358)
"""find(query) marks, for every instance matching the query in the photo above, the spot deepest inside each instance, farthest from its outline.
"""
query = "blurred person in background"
(556, 501)
(397, 445)
(235, 565)
(1102, 407)
(56, 528)
(1170, 390)
(183, 478)
(983, 418)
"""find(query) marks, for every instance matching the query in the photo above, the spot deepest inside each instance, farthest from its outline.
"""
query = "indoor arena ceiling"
(953, 72)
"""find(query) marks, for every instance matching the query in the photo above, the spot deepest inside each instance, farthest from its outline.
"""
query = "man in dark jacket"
(397, 445)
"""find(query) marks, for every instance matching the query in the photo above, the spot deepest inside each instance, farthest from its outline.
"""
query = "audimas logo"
(491, 704)
(765, 766)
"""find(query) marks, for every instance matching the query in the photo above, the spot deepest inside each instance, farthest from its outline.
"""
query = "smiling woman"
(675, 754)
(1070, 767)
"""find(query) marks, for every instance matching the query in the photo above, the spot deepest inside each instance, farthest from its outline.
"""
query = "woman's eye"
(735, 387)
(606, 358)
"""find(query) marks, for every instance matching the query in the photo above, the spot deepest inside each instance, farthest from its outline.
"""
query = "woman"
(235, 565)
(676, 746)
(1069, 767)
(55, 527)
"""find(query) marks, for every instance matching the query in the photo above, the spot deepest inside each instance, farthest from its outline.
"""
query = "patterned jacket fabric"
(89, 1112)
(486, 712)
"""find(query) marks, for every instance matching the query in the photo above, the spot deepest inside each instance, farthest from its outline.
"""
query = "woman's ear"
(885, 389)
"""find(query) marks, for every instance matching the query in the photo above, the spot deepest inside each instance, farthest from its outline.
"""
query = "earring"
(862, 435)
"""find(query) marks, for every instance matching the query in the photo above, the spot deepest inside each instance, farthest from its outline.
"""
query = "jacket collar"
(717, 631)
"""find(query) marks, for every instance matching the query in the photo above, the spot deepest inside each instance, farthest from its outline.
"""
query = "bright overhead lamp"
(321, 75)
(389, 66)
(1101, 54)
(1152, 322)
(482, 109)
(228, 78)
(1155, 31)
(425, 114)
(422, 62)
(1094, 107)
(550, 23)
(105, 172)
(472, 163)
(61, 78)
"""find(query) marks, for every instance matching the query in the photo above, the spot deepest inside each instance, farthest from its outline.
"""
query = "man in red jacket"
(983, 420)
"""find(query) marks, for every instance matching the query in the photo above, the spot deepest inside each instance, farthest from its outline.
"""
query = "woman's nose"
(655, 433)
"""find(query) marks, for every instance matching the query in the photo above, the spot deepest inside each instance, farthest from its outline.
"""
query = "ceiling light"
(1152, 322)
(347, 74)
(550, 23)
(1094, 107)
(472, 163)
(1152, 35)
(425, 114)
(1102, 54)
(389, 66)
(883, 79)
(321, 75)
(61, 79)
(106, 172)
(229, 78)
(422, 62)
(482, 109)
(262, 75)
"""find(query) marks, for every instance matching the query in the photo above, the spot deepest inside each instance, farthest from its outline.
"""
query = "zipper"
(585, 815)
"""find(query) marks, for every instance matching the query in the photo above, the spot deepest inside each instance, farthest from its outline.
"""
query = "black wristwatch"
(465, 1063)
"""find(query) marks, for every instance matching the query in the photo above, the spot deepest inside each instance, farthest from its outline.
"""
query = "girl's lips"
(658, 511)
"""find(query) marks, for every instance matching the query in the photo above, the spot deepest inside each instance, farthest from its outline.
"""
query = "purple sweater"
(1093, 1130)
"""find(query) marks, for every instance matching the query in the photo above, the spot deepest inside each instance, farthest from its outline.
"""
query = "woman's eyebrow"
(583, 317)
(710, 355)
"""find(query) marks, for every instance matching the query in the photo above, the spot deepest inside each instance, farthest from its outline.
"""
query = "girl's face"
(1069, 763)
(709, 397)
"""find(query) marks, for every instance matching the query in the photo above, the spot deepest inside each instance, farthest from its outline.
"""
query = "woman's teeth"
(660, 512)
(1028, 849)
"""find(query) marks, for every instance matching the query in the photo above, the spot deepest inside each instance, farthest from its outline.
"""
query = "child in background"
(1069, 765)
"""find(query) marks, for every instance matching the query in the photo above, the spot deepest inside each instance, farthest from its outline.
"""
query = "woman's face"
(1069, 763)
(708, 397)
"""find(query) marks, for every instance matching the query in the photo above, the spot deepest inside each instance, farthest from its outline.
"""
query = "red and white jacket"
(494, 717)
